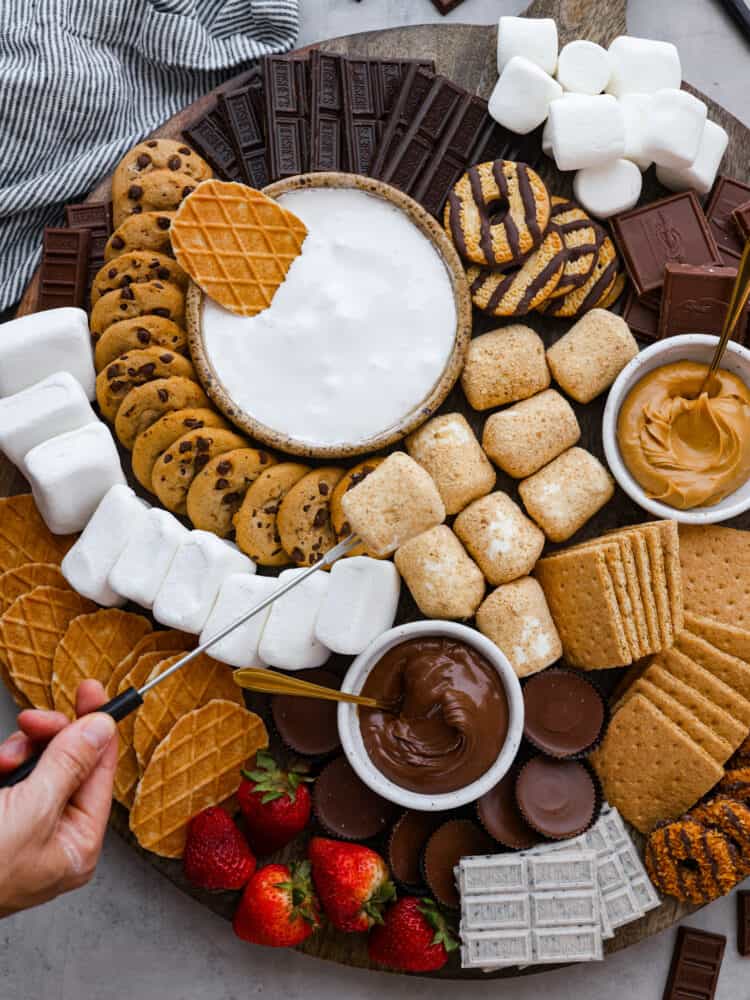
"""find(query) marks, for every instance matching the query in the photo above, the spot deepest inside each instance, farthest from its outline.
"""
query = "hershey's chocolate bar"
(209, 138)
(287, 99)
(243, 114)
(696, 963)
(64, 268)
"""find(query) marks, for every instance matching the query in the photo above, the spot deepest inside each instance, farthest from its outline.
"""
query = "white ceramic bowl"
(689, 347)
(351, 736)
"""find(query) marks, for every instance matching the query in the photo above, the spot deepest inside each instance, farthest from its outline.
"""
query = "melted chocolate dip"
(449, 719)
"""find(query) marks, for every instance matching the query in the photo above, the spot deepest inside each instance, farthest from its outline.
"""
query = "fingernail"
(99, 730)
(14, 743)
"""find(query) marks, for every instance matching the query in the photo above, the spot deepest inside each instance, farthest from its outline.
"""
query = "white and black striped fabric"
(81, 81)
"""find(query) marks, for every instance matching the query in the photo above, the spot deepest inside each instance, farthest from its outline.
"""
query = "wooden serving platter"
(466, 54)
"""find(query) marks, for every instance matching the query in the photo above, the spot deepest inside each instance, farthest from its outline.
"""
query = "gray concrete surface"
(131, 936)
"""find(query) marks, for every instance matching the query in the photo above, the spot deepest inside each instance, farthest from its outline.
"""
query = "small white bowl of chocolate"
(453, 722)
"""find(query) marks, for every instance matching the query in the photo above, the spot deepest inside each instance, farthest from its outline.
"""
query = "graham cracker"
(730, 669)
(721, 694)
(729, 639)
(716, 573)
(670, 540)
(645, 581)
(715, 746)
(654, 536)
(649, 768)
(582, 600)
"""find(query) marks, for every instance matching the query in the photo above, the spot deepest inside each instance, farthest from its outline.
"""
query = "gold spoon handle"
(268, 682)
(737, 303)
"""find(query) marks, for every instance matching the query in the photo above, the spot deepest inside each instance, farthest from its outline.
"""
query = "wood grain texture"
(466, 54)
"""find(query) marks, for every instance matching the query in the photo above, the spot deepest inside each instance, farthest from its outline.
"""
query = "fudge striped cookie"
(582, 240)
(517, 292)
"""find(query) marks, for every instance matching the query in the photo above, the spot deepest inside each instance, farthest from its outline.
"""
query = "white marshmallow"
(360, 604)
(584, 67)
(143, 564)
(40, 344)
(610, 189)
(586, 131)
(69, 474)
(53, 406)
(674, 128)
(643, 66)
(87, 565)
(288, 639)
(533, 38)
(701, 174)
(239, 592)
(199, 567)
(522, 96)
(635, 109)
(547, 133)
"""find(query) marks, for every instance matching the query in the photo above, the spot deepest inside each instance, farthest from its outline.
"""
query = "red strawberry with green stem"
(414, 937)
(275, 803)
(278, 907)
(352, 883)
(216, 855)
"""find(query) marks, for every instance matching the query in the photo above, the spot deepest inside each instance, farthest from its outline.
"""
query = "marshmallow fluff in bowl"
(357, 335)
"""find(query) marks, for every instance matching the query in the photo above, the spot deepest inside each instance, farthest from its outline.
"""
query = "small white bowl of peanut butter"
(677, 452)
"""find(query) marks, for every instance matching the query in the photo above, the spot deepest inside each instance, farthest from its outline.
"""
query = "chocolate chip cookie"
(146, 403)
(176, 468)
(517, 292)
(338, 519)
(255, 522)
(115, 381)
(152, 298)
(164, 432)
(304, 520)
(218, 490)
(156, 191)
(144, 231)
(158, 154)
(135, 334)
(136, 267)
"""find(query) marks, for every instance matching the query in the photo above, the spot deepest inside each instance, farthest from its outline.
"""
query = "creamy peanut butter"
(686, 450)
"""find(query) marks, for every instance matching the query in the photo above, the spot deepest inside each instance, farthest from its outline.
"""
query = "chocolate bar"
(64, 268)
(242, 111)
(696, 963)
(741, 219)
(414, 90)
(673, 230)
(728, 194)
(286, 93)
(96, 217)
(743, 923)
(208, 137)
(696, 299)
(329, 144)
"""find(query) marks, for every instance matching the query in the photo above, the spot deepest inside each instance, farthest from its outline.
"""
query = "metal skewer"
(131, 699)
(737, 303)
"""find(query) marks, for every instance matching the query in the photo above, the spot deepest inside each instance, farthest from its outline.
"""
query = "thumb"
(69, 759)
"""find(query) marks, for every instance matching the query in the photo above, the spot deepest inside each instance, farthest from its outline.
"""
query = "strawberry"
(216, 854)
(352, 883)
(278, 907)
(413, 938)
(275, 803)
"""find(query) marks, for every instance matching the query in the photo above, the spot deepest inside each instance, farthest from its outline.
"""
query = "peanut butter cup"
(308, 725)
(407, 843)
(557, 798)
(346, 807)
(499, 814)
(456, 839)
(564, 713)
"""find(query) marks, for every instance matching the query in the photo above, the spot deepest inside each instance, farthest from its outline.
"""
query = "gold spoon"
(737, 302)
(268, 682)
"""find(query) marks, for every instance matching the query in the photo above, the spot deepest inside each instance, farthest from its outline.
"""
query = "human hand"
(52, 824)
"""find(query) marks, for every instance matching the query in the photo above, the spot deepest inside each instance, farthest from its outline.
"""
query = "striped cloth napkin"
(81, 81)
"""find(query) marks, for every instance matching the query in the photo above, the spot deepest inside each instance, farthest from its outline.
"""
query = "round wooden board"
(466, 54)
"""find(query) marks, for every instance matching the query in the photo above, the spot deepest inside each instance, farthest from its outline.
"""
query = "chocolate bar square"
(741, 219)
(64, 268)
(696, 299)
(641, 317)
(743, 924)
(329, 142)
(243, 113)
(287, 97)
(728, 194)
(673, 230)
(695, 967)
(446, 6)
(96, 217)
(208, 136)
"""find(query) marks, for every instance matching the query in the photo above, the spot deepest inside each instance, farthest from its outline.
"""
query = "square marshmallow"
(289, 639)
(522, 96)
(238, 593)
(69, 474)
(674, 128)
(189, 590)
(643, 66)
(53, 406)
(43, 343)
(87, 565)
(584, 67)
(701, 174)
(547, 133)
(144, 562)
(360, 604)
(609, 188)
(635, 108)
(534, 38)
(586, 131)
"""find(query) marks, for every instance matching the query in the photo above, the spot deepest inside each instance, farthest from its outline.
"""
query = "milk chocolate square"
(728, 194)
(641, 317)
(741, 219)
(673, 230)
(696, 299)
